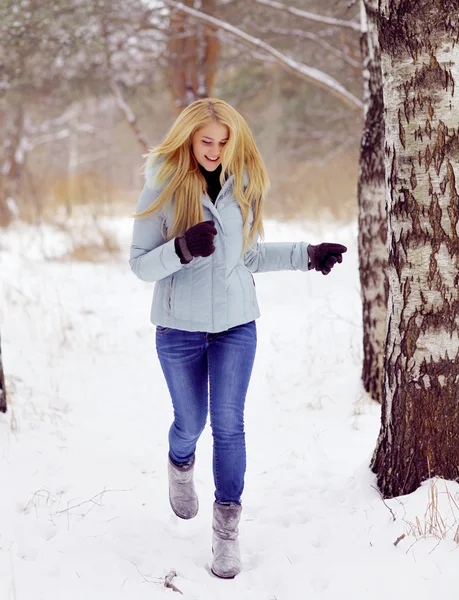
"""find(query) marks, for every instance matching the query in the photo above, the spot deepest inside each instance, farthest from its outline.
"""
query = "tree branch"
(310, 16)
(130, 117)
(256, 55)
(314, 38)
(117, 92)
(301, 70)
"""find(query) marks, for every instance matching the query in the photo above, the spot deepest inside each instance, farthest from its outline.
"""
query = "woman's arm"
(277, 256)
(151, 258)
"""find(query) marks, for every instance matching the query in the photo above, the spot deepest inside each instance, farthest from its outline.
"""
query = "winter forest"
(352, 413)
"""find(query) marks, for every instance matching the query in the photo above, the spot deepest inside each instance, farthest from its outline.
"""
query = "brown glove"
(196, 241)
(323, 257)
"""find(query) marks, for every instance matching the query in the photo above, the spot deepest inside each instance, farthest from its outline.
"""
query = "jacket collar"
(231, 179)
(152, 167)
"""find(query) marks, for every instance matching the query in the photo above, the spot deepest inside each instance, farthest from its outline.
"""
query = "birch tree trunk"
(193, 55)
(12, 159)
(420, 413)
(2, 384)
(372, 209)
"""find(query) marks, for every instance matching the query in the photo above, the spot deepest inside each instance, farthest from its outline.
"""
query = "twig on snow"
(93, 501)
(384, 502)
(168, 582)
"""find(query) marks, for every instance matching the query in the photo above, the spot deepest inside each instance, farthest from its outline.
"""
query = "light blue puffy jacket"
(212, 293)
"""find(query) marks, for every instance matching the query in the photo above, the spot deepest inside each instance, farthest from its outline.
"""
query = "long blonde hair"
(178, 169)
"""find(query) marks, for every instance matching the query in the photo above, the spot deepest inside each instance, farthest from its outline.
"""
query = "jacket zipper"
(170, 293)
(222, 196)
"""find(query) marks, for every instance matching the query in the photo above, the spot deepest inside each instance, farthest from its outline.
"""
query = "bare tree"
(372, 209)
(34, 62)
(12, 158)
(193, 51)
(420, 412)
(311, 74)
(62, 54)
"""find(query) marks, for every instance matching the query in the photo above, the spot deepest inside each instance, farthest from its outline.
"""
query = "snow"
(83, 503)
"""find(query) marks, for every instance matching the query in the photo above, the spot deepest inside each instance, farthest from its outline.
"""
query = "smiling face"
(207, 143)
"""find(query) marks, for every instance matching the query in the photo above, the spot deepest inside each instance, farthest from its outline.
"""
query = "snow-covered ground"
(83, 484)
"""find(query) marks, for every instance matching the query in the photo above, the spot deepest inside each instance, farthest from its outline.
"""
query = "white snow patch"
(83, 505)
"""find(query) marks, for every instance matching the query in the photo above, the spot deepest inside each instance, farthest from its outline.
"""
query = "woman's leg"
(183, 359)
(231, 356)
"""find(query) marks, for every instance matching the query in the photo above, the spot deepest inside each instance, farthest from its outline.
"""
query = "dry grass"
(105, 248)
(315, 190)
(299, 190)
(88, 239)
(76, 206)
(56, 200)
(440, 519)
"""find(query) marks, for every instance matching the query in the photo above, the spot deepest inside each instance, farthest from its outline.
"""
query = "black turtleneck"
(213, 181)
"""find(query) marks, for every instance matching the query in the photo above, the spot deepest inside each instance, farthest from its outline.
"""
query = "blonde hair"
(178, 169)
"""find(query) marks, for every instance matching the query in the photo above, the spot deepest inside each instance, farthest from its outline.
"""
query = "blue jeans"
(210, 370)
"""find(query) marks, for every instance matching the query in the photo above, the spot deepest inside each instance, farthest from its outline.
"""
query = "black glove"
(196, 241)
(324, 256)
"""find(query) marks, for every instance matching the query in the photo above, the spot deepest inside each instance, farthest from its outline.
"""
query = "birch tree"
(372, 210)
(420, 412)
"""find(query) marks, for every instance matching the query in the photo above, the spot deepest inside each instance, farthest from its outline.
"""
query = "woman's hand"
(196, 241)
(323, 257)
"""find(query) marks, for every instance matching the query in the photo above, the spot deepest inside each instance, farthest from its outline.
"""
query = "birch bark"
(372, 209)
(420, 413)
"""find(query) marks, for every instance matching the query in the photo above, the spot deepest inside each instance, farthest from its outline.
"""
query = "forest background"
(83, 81)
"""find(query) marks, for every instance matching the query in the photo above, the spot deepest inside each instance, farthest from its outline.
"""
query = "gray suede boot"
(225, 545)
(182, 495)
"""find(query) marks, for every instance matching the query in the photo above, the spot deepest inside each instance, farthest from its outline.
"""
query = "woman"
(196, 232)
